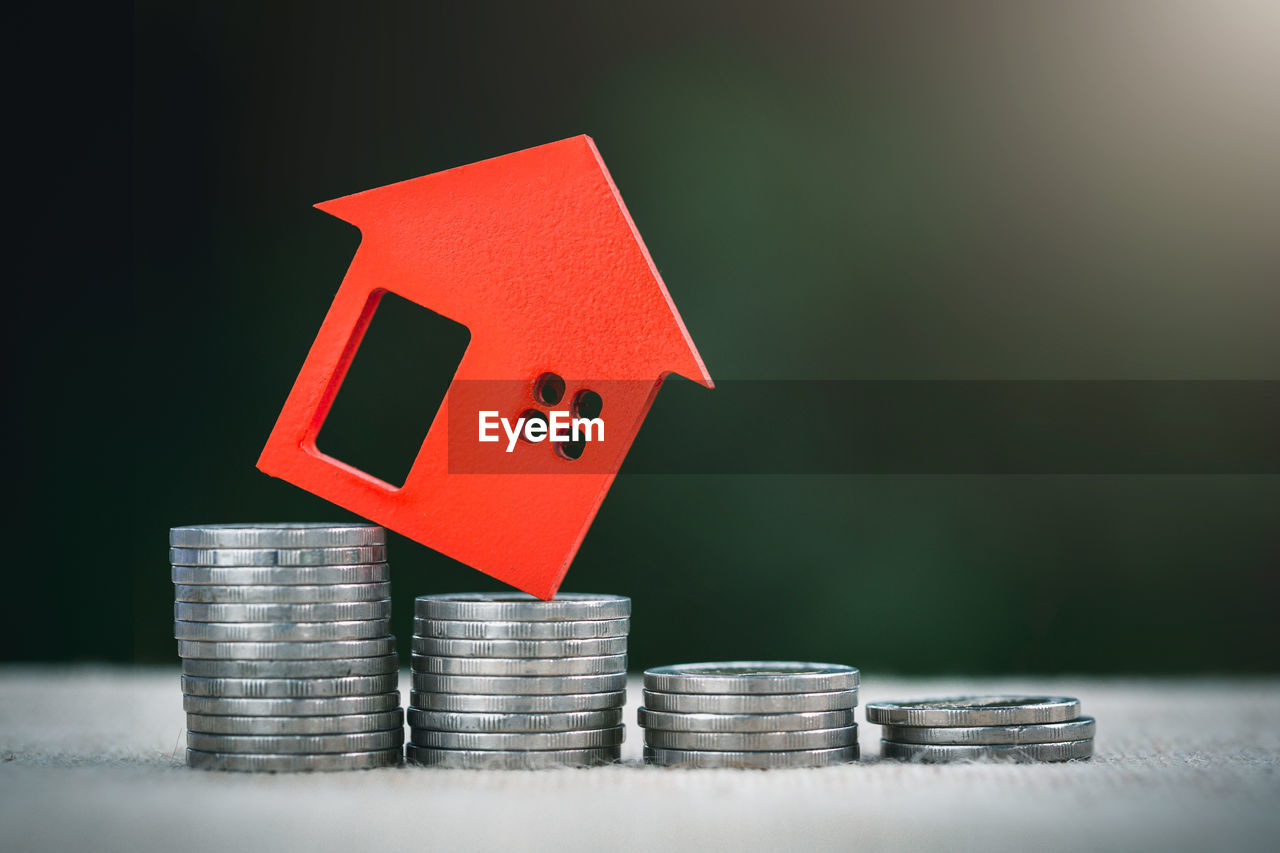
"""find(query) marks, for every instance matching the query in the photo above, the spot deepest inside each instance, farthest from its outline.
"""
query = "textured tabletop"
(91, 759)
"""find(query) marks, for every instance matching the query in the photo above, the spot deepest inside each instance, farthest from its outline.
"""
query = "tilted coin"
(1072, 750)
(275, 534)
(512, 704)
(280, 593)
(332, 725)
(760, 703)
(296, 744)
(272, 688)
(508, 630)
(533, 741)
(975, 711)
(752, 760)
(291, 707)
(277, 556)
(753, 741)
(450, 721)
(280, 575)
(340, 611)
(513, 686)
(277, 632)
(519, 648)
(1080, 728)
(754, 676)
(293, 763)
(335, 668)
(334, 649)
(596, 665)
(521, 607)
(489, 759)
(744, 722)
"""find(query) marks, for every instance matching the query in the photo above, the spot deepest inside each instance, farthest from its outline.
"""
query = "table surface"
(91, 759)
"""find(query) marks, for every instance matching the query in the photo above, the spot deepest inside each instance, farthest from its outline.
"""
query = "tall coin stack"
(288, 662)
(1000, 728)
(754, 714)
(506, 681)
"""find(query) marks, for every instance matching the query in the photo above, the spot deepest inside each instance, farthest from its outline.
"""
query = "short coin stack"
(506, 681)
(1001, 728)
(288, 662)
(753, 714)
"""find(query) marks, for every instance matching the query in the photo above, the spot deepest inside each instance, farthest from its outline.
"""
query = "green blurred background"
(831, 191)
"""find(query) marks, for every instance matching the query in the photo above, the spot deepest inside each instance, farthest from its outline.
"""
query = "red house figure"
(536, 255)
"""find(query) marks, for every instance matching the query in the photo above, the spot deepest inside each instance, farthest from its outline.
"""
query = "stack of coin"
(506, 681)
(1002, 728)
(288, 662)
(756, 714)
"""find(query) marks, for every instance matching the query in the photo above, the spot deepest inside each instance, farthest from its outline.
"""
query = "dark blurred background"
(858, 191)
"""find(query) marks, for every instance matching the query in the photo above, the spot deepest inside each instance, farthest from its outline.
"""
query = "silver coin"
(296, 744)
(333, 725)
(1081, 728)
(753, 676)
(277, 556)
(532, 741)
(975, 711)
(760, 703)
(331, 706)
(280, 575)
(278, 632)
(596, 665)
(744, 722)
(511, 704)
(335, 649)
(1071, 750)
(449, 721)
(507, 630)
(342, 611)
(282, 688)
(293, 763)
(519, 648)
(273, 534)
(752, 760)
(752, 741)
(514, 686)
(280, 593)
(490, 759)
(334, 668)
(521, 607)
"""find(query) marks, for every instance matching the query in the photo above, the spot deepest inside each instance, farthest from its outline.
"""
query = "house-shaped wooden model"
(536, 254)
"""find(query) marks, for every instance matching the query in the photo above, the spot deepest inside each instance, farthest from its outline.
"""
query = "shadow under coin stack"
(750, 714)
(506, 681)
(284, 631)
(1000, 728)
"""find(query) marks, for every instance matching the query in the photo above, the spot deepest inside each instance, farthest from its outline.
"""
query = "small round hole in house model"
(532, 415)
(549, 389)
(587, 404)
(571, 450)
